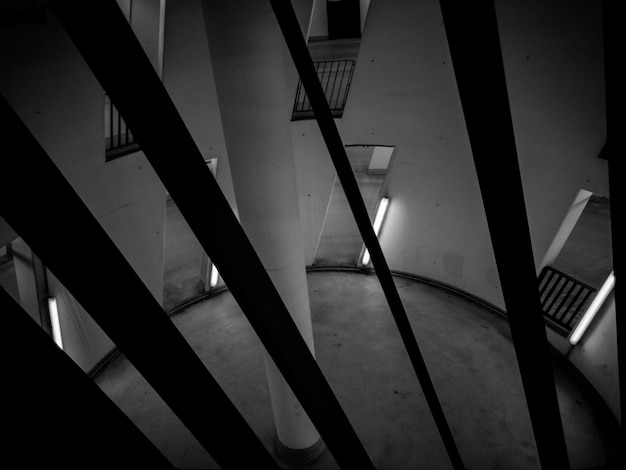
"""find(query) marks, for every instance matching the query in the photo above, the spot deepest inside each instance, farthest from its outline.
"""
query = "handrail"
(119, 140)
(563, 298)
(335, 77)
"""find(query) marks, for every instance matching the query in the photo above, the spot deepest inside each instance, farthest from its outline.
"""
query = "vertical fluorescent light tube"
(597, 302)
(378, 222)
(214, 276)
(54, 320)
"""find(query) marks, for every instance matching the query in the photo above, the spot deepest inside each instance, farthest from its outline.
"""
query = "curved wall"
(56, 95)
(403, 94)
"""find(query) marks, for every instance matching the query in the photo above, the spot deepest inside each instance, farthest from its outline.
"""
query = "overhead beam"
(614, 152)
(472, 31)
(54, 403)
(292, 33)
(127, 76)
(47, 213)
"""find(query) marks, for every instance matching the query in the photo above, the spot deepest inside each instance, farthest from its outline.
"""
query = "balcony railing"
(119, 139)
(335, 77)
(563, 298)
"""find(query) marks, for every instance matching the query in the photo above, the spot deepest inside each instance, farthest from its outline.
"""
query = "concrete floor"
(183, 260)
(468, 351)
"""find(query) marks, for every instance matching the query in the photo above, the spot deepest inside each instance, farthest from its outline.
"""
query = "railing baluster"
(335, 77)
(110, 124)
(118, 128)
(119, 139)
(348, 83)
(566, 318)
(557, 295)
(326, 78)
(330, 98)
(558, 313)
(297, 106)
(580, 306)
(566, 293)
(551, 284)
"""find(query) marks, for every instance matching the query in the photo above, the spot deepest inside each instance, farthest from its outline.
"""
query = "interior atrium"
(311, 234)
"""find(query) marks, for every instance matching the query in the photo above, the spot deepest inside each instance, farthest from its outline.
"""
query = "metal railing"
(335, 77)
(563, 298)
(119, 140)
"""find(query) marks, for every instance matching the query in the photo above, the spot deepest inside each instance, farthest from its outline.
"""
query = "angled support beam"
(126, 74)
(60, 229)
(472, 32)
(53, 402)
(615, 102)
(288, 23)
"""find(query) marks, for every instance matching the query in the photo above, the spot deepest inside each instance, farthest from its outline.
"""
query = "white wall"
(553, 57)
(407, 97)
(56, 95)
(315, 176)
(319, 20)
(145, 19)
(188, 78)
(595, 355)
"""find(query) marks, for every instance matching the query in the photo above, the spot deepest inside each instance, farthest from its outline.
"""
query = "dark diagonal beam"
(300, 54)
(615, 78)
(46, 212)
(54, 403)
(126, 74)
(472, 32)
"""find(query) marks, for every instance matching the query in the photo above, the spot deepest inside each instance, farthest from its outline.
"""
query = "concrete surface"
(468, 351)
(183, 254)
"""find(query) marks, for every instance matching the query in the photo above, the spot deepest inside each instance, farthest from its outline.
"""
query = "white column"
(247, 52)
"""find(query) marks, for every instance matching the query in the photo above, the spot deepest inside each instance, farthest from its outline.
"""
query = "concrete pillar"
(247, 52)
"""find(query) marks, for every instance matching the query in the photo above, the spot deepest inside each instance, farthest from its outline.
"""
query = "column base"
(300, 456)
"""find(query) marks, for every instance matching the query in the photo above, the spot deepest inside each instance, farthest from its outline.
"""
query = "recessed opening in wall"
(329, 21)
(118, 139)
(187, 272)
(340, 243)
(578, 262)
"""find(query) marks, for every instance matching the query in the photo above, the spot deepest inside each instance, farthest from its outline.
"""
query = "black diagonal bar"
(615, 77)
(41, 206)
(54, 403)
(126, 74)
(472, 31)
(300, 54)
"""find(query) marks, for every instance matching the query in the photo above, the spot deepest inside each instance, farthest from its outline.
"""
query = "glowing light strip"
(54, 320)
(215, 275)
(378, 222)
(597, 302)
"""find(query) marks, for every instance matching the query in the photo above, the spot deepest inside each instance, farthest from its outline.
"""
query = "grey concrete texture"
(468, 351)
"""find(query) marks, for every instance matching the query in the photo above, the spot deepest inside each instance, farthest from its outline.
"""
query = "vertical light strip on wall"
(378, 222)
(54, 320)
(597, 302)
(215, 275)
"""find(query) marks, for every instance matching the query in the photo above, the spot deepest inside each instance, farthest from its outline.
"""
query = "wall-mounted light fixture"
(54, 320)
(214, 277)
(378, 223)
(597, 302)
